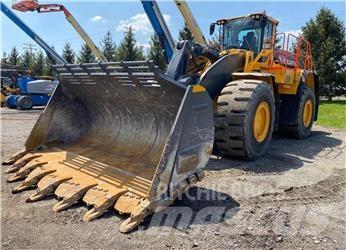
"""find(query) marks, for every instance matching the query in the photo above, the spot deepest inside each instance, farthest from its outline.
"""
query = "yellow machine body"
(286, 77)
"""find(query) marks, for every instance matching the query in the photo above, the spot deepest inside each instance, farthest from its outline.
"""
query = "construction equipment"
(15, 19)
(157, 20)
(263, 81)
(19, 89)
(120, 135)
(9, 75)
(126, 135)
(33, 5)
(31, 92)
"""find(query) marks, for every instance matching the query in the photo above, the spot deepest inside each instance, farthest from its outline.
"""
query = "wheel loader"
(125, 135)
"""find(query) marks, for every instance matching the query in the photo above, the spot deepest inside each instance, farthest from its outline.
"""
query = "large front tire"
(244, 119)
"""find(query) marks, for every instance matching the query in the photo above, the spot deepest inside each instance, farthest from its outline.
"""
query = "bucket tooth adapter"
(117, 135)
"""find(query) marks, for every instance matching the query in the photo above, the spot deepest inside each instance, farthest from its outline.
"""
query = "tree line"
(325, 32)
(128, 50)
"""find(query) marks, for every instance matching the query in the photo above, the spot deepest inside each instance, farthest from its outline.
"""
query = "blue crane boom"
(160, 27)
(49, 51)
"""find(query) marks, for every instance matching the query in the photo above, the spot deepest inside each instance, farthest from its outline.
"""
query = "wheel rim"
(261, 121)
(26, 103)
(307, 113)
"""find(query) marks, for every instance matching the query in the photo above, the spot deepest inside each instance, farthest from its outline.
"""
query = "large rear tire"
(244, 119)
(305, 116)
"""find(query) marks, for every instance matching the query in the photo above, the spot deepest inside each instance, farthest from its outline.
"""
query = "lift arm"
(190, 21)
(15, 19)
(160, 27)
(46, 8)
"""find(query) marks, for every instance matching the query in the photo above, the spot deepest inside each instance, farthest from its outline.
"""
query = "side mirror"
(211, 28)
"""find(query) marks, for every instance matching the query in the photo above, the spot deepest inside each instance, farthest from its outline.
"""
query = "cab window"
(243, 33)
(267, 35)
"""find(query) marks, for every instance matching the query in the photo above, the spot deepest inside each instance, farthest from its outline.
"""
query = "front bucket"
(119, 135)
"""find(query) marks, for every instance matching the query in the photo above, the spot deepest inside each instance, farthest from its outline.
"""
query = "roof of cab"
(220, 21)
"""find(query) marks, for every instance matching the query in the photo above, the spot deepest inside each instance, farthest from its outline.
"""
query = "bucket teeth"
(103, 197)
(71, 191)
(137, 215)
(130, 223)
(21, 163)
(47, 185)
(43, 156)
(25, 171)
(13, 158)
(33, 178)
(127, 203)
(53, 173)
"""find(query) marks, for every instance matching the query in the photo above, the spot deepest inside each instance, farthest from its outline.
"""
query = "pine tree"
(128, 50)
(109, 47)
(186, 34)
(156, 52)
(326, 33)
(48, 67)
(140, 55)
(4, 59)
(86, 55)
(68, 53)
(39, 65)
(27, 60)
(13, 57)
(49, 61)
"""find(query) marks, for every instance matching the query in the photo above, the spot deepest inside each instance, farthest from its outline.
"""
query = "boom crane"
(160, 27)
(15, 19)
(32, 5)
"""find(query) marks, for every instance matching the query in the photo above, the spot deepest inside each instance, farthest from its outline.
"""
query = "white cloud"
(96, 18)
(294, 32)
(140, 23)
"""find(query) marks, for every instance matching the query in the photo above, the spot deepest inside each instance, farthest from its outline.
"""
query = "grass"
(332, 114)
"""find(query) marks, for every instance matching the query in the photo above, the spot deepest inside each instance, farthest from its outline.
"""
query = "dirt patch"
(293, 197)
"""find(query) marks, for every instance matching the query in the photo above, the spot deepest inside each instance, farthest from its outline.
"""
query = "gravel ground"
(293, 197)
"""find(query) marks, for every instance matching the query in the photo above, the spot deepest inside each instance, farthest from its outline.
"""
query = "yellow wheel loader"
(127, 136)
(272, 86)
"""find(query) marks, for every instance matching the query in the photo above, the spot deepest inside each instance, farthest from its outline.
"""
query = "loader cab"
(253, 32)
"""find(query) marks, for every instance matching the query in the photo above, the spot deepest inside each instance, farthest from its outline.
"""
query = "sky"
(97, 17)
